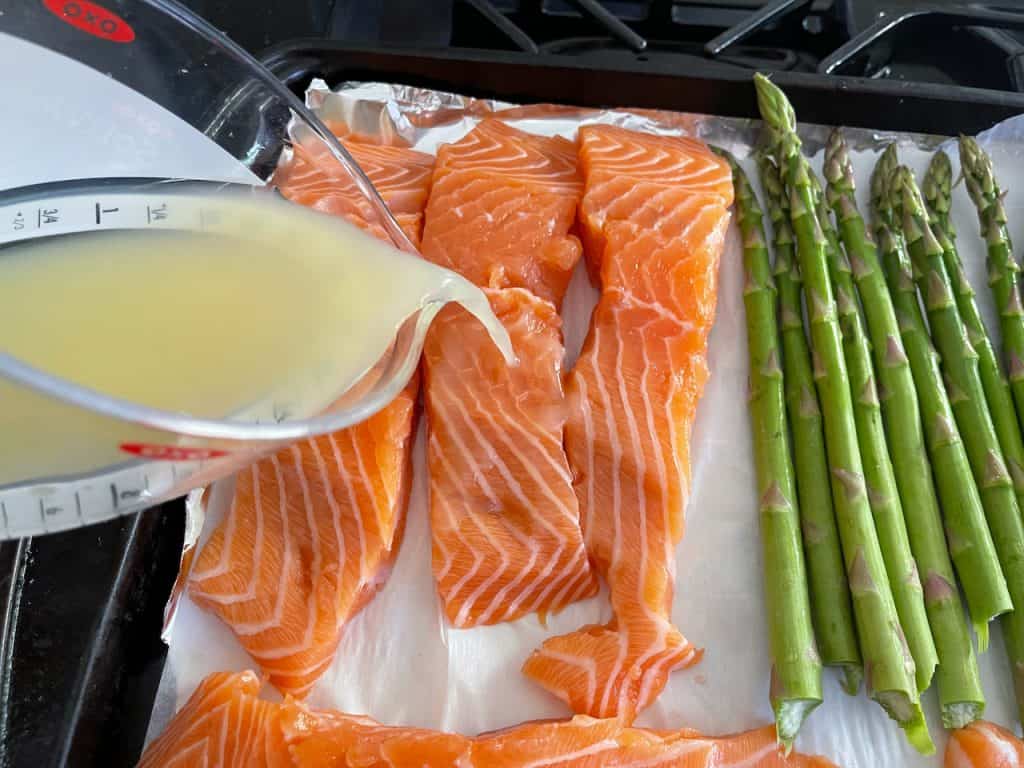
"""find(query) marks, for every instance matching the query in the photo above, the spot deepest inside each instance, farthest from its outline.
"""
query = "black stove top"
(963, 43)
(897, 39)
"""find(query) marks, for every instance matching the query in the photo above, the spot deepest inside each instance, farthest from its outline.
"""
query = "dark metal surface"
(644, 29)
(487, 9)
(82, 654)
(707, 86)
(255, 25)
(942, 16)
(618, 29)
(754, 22)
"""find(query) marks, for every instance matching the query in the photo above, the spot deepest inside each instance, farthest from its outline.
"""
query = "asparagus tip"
(976, 170)
(969, 150)
(837, 167)
(882, 173)
(775, 108)
(937, 187)
(941, 169)
(902, 183)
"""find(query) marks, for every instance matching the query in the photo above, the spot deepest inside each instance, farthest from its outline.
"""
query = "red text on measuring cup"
(170, 452)
(92, 18)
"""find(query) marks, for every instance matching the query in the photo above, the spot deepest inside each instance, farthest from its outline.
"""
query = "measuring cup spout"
(474, 300)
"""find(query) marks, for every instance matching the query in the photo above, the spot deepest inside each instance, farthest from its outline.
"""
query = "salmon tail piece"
(602, 671)
(654, 217)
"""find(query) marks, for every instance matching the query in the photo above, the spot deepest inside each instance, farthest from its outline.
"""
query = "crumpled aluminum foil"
(422, 118)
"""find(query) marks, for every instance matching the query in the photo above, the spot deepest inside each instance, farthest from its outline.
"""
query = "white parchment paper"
(400, 663)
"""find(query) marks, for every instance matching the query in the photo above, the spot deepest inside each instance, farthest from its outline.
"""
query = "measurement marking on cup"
(100, 211)
(49, 511)
(42, 515)
(47, 216)
(78, 508)
(119, 496)
(7, 523)
(156, 213)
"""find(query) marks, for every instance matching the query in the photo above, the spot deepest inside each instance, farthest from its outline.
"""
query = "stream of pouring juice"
(269, 319)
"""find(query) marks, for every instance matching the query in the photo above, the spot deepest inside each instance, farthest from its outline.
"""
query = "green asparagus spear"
(874, 452)
(968, 536)
(960, 696)
(981, 435)
(830, 593)
(963, 383)
(796, 667)
(1002, 268)
(936, 188)
(887, 659)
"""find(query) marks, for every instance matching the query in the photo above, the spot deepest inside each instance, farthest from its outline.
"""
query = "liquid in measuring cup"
(265, 316)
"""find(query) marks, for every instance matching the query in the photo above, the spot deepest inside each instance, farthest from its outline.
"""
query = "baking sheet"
(400, 663)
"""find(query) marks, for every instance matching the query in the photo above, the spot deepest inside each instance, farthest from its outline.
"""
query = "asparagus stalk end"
(789, 717)
(961, 714)
(851, 676)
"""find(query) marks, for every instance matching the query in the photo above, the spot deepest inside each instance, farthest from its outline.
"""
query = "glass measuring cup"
(144, 90)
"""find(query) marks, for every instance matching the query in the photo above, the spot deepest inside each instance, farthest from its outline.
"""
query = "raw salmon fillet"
(223, 724)
(402, 176)
(504, 517)
(501, 207)
(632, 398)
(308, 540)
(984, 745)
(312, 531)
(337, 741)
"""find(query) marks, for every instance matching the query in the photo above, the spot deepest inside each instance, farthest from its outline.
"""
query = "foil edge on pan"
(404, 114)
(195, 517)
